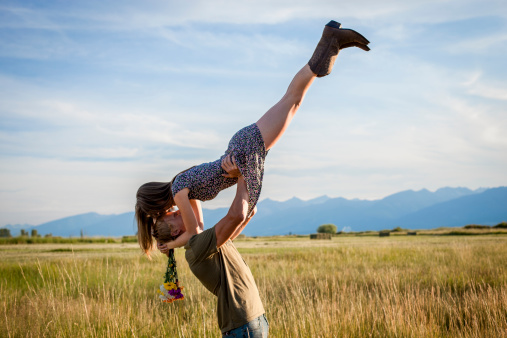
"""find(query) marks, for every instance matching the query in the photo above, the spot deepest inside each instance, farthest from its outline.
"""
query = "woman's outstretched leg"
(275, 121)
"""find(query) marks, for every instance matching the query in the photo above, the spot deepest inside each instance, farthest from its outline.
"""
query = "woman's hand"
(162, 248)
(229, 165)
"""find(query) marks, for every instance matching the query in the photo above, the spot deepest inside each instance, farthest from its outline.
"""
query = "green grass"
(409, 286)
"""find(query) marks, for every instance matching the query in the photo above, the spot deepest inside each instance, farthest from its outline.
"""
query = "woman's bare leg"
(275, 121)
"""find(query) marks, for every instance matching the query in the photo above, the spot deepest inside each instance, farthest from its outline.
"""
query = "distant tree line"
(332, 229)
(6, 233)
(502, 225)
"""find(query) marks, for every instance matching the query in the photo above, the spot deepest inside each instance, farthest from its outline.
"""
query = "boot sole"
(337, 25)
(334, 24)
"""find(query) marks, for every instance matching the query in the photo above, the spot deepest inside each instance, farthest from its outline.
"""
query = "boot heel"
(334, 24)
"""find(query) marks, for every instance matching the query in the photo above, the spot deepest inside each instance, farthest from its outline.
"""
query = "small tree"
(35, 233)
(327, 229)
(4, 232)
(502, 225)
(23, 232)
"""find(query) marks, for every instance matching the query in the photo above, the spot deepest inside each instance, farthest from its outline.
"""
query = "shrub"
(476, 226)
(129, 239)
(321, 236)
(4, 232)
(327, 229)
(502, 225)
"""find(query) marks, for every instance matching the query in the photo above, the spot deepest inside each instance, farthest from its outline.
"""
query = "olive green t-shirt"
(224, 273)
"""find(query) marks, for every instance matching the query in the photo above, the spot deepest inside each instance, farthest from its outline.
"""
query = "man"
(216, 262)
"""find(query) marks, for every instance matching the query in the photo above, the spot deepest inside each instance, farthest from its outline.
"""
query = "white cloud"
(126, 107)
(484, 45)
(127, 15)
(497, 92)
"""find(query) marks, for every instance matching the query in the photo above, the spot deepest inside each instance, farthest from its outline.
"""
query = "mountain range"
(423, 209)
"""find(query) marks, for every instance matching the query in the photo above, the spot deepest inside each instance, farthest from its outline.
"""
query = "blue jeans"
(257, 328)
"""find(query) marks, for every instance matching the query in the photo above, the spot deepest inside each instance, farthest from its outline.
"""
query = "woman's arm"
(187, 212)
(189, 216)
(196, 206)
(180, 241)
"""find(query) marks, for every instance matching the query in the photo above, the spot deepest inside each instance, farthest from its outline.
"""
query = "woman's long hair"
(153, 199)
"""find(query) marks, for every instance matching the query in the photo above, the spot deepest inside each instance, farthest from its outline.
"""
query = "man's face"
(175, 219)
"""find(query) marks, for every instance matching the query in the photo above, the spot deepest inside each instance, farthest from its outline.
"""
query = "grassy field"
(421, 286)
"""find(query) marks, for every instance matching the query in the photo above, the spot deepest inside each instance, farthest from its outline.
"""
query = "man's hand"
(229, 165)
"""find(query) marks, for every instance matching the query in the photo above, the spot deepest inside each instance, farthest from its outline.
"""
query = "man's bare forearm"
(236, 215)
(243, 225)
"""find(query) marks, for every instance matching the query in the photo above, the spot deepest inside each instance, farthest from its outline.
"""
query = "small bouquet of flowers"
(170, 290)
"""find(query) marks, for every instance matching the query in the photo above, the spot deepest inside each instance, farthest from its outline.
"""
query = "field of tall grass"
(350, 286)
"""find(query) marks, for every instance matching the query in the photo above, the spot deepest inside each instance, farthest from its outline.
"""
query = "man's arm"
(229, 225)
(243, 225)
(236, 215)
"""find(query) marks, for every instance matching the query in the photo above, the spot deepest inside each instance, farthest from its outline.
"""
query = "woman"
(247, 150)
(211, 255)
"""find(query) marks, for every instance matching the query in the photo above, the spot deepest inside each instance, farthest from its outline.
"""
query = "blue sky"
(98, 97)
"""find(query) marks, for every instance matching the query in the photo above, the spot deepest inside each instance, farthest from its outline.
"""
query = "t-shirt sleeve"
(203, 245)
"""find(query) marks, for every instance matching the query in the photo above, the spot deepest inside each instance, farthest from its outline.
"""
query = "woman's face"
(176, 220)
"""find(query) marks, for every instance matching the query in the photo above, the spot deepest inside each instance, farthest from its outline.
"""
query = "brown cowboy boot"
(333, 39)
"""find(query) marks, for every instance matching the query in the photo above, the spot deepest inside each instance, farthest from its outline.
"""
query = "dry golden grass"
(350, 286)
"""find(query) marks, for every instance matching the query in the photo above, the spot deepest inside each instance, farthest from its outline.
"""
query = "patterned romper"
(205, 181)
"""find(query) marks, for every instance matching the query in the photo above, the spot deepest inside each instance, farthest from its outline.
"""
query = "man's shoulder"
(206, 233)
(201, 246)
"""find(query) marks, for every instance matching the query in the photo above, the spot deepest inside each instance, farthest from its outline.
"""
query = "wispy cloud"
(127, 15)
(490, 91)
(100, 97)
(495, 42)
